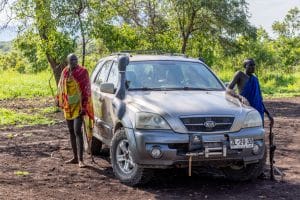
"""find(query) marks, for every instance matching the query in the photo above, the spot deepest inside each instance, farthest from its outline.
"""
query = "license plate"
(241, 143)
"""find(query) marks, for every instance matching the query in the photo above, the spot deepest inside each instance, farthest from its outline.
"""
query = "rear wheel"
(124, 167)
(245, 173)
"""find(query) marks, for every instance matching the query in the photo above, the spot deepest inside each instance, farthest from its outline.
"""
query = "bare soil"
(42, 150)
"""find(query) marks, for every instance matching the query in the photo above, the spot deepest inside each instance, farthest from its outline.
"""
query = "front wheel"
(245, 173)
(124, 167)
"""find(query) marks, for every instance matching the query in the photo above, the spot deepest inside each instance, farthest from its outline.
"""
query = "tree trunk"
(43, 14)
(83, 39)
(56, 68)
(184, 44)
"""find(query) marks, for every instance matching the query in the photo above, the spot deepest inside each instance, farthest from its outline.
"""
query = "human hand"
(82, 113)
(243, 100)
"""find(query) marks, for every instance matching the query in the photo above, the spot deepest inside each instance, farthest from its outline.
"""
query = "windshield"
(170, 75)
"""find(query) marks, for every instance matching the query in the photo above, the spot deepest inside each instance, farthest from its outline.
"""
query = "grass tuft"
(11, 117)
(16, 85)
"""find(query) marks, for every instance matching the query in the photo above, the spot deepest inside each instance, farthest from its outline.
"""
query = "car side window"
(96, 70)
(114, 75)
(102, 75)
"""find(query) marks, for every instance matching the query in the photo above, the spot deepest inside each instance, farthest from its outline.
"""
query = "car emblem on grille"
(209, 124)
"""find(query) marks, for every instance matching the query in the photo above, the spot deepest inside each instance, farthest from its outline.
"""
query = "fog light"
(156, 152)
(255, 149)
(196, 139)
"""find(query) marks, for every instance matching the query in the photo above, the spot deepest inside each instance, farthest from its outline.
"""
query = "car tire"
(246, 173)
(124, 168)
(96, 145)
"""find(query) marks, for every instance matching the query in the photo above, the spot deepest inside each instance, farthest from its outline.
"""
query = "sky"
(263, 13)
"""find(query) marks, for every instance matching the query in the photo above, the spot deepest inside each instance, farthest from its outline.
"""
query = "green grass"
(273, 83)
(277, 84)
(11, 117)
(49, 110)
(16, 85)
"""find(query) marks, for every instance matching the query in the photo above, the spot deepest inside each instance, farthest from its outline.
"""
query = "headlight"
(253, 119)
(150, 121)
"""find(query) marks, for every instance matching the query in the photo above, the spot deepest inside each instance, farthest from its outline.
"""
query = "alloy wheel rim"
(124, 158)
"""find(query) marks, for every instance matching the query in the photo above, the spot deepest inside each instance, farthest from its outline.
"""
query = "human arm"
(231, 92)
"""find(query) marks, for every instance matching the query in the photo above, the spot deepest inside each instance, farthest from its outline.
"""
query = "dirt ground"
(32, 166)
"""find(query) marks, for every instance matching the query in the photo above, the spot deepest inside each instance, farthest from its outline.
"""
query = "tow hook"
(208, 152)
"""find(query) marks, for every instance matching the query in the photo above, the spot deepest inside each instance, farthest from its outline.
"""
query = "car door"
(113, 77)
(100, 109)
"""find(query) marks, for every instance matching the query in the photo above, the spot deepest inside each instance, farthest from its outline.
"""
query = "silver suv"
(164, 111)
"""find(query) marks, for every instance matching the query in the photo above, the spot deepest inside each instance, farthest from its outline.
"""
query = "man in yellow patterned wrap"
(74, 97)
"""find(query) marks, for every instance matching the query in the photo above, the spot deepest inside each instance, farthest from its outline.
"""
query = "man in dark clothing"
(249, 89)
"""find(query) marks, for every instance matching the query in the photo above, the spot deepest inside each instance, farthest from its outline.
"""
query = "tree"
(72, 18)
(223, 20)
(290, 26)
(287, 44)
(38, 16)
(30, 47)
(133, 24)
(57, 45)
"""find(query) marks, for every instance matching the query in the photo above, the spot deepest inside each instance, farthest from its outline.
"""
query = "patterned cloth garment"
(74, 96)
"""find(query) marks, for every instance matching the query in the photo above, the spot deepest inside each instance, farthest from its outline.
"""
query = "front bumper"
(211, 149)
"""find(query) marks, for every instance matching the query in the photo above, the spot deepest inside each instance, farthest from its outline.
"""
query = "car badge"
(209, 124)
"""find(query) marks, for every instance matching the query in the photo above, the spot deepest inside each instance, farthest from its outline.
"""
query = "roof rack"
(120, 54)
(151, 52)
(176, 54)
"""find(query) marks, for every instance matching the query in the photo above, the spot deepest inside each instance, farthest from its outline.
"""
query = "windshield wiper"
(170, 89)
(194, 88)
(202, 89)
(146, 89)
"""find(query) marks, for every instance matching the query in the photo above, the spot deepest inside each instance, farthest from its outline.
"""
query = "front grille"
(197, 124)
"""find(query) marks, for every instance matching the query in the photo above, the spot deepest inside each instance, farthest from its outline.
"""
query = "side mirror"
(107, 88)
(226, 84)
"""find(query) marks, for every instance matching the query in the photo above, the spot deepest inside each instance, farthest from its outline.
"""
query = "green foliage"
(45, 36)
(280, 83)
(16, 85)
(222, 21)
(11, 117)
(275, 83)
(31, 48)
(49, 110)
(21, 173)
(217, 31)
(290, 26)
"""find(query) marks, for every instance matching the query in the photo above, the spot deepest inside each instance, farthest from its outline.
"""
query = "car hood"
(181, 103)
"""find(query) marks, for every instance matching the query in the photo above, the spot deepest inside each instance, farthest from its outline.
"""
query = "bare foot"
(81, 164)
(72, 161)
